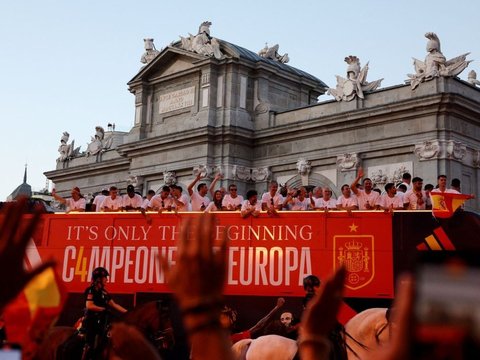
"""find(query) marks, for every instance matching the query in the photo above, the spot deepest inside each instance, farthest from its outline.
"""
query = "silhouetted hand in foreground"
(198, 276)
(15, 234)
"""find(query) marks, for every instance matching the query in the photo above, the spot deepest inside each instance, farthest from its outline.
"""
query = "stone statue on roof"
(97, 143)
(472, 78)
(67, 151)
(150, 51)
(356, 82)
(435, 64)
(203, 43)
(272, 54)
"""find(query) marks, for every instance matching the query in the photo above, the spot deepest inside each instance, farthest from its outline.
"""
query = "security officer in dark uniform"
(98, 301)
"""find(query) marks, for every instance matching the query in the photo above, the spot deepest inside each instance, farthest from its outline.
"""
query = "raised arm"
(265, 320)
(354, 184)
(192, 184)
(211, 189)
(58, 197)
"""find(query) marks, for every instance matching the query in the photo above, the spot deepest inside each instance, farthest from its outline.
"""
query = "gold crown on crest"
(353, 245)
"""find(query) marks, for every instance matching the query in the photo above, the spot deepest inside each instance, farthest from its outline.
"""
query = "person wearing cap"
(76, 203)
(95, 322)
(97, 202)
(132, 201)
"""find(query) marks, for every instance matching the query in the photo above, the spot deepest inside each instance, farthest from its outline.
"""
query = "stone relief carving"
(204, 170)
(203, 43)
(260, 174)
(472, 78)
(440, 149)
(378, 177)
(476, 158)
(150, 51)
(241, 173)
(169, 178)
(99, 142)
(271, 53)
(383, 174)
(67, 151)
(356, 82)
(348, 161)
(303, 166)
(435, 64)
(456, 150)
(132, 180)
(428, 150)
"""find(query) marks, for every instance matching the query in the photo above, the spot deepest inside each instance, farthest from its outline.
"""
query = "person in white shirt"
(97, 202)
(347, 201)
(146, 201)
(162, 202)
(132, 201)
(112, 202)
(199, 199)
(442, 186)
(367, 198)
(271, 200)
(251, 206)
(216, 204)
(407, 181)
(415, 198)
(326, 202)
(297, 200)
(76, 203)
(180, 200)
(232, 201)
(390, 201)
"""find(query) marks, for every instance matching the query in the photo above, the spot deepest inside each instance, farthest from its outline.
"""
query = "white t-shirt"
(232, 202)
(386, 201)
(135, 202)
(73, 205)
(277, 199)
(347, 202)
(197, 200)
(321, 203)
(98, 202)
(247, 206)
(157, 203)
(112, 204)
(363, 197)
(299, 205)
(414, 201)
(183, 199)
(212, 207)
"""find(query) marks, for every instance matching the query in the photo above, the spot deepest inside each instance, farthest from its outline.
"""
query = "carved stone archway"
(314, 179)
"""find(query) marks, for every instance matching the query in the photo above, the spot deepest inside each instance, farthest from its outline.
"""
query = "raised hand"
(15, 234)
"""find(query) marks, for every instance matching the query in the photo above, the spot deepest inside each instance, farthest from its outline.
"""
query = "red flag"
(445, 204)
(29, 316)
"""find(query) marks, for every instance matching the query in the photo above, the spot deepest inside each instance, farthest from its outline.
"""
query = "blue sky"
(65, 64)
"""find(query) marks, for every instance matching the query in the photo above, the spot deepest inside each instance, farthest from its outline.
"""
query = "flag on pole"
(31, 314)
(445, 204)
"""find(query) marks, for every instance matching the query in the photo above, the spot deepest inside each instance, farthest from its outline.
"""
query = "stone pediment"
(170, 61)
(174, 59)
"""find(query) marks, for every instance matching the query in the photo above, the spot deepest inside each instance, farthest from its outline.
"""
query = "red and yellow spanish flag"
(445, 204)
(31, 314)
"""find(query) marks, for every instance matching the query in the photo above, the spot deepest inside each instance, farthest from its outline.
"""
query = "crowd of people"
(361, 194)
(197, 280)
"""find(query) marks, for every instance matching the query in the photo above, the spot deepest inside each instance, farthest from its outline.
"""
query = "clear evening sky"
(65, 64)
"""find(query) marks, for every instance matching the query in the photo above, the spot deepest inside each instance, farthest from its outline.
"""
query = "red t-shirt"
(240, 336)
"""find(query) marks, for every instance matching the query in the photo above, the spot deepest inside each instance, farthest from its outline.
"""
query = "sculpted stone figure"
(272, 54)
(169, 178)
(435, 64)
(348, 161)
(67, 151)
(150, 51)
(472, 78)
(203, 43)
(428, 150)
(356, 82)
(96, 145)
(303, 166)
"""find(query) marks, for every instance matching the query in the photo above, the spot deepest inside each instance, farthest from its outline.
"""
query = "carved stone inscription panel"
(176, 100)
